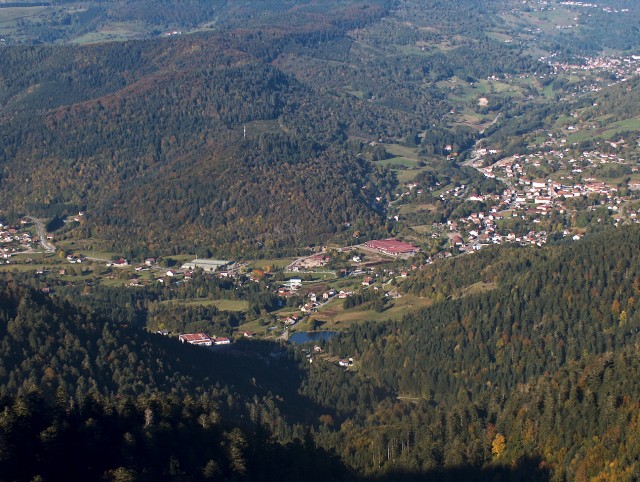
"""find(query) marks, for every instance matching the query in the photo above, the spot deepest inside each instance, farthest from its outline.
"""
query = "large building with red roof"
(201, 339)
(392, 246)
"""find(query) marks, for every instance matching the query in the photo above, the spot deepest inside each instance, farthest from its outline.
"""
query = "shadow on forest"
(301, 461)
(304, 461)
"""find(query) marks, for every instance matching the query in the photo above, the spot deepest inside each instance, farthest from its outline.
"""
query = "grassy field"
(411, 208)
(402, 151)
(501, 37)
(418, 49)
(547, 21)
(254, 326)
(399, 161)
(222, 305)
(89, 247)
(465, 92)
(470, 118)
(608, 132)
(180, 258)
(335, 316)
(255, 128)
(477, 288)
(405, 156)
(113, 282)
(75, 278)
(22, 268)
(614, 129)
(407, 175)
(423, 229)
(11, 15)
(356, 93)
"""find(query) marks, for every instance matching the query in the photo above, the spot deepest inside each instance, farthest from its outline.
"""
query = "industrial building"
(201, 339)
(392, 246)
(209, 265)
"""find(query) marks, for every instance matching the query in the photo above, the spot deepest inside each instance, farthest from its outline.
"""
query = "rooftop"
(205, 264)
(392, 246)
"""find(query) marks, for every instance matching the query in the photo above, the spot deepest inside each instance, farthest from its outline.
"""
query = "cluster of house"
(593, 5)
(290, 287)
(315, 300)
(184, 273)
(13, 239)
(595, 72)
(479, 229)
(202, 339)
(514, 171)
(532, 199)
(291, 320)
(620, 66)
(75, 258)
(317, 350)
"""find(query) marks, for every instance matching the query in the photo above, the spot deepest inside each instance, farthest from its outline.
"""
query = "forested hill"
(87, 398)
(539, 346)
(150, 142)
(148, 136)
(538, 311)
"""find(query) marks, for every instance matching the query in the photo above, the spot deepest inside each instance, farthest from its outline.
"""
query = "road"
(42, 234)
(492, 123)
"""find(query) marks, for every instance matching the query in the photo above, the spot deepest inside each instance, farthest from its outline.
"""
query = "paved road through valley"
(42, 234)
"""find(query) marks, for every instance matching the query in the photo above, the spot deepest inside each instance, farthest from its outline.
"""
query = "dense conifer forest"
(536, 373)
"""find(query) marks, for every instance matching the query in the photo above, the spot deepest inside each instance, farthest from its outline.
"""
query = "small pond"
(309, 336)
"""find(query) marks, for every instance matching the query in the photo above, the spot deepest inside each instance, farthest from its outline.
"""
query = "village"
(16, 239)
(551, 191)
(311, 282)
(618, 67)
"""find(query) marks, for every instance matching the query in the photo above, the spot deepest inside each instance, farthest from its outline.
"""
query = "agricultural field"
(406, 163)
(11, 17)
